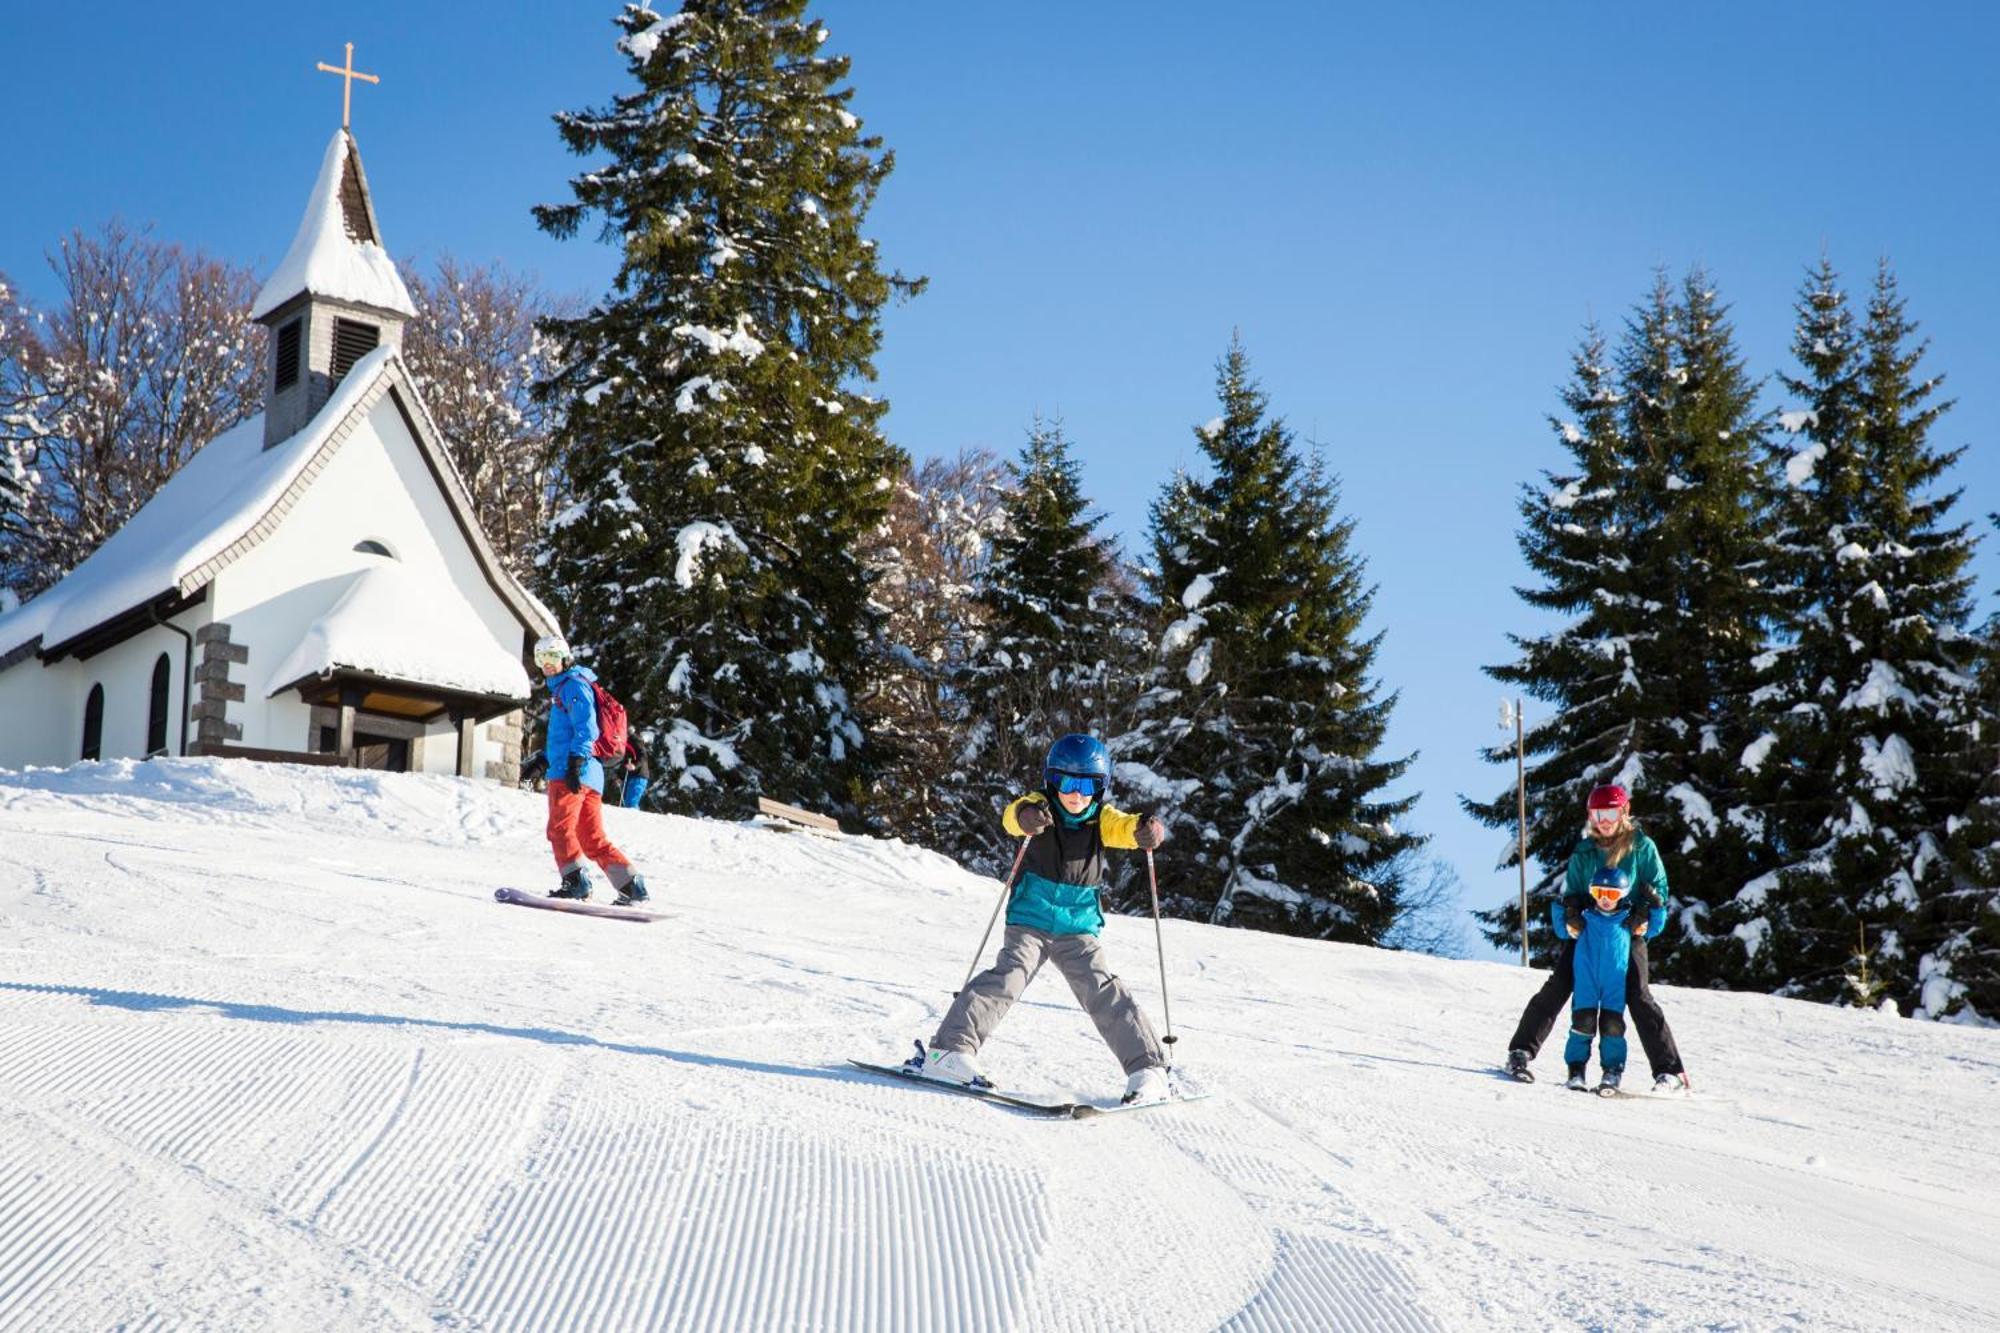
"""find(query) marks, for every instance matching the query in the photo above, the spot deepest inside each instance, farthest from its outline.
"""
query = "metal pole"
(1159, 942)
(1521, 812)
(1019, 855)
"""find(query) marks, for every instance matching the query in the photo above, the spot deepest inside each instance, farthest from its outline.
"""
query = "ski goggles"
(1605, 817)
(1069, 784)
(1607, 897)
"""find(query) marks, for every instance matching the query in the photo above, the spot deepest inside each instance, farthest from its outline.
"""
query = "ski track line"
(1316, 1280)
(1320, 1283)
(687, 1221)
(242, 1272)
(50, 1231)
(416, 1200)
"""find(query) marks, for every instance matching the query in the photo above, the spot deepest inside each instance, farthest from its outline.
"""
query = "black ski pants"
(1539, 1018)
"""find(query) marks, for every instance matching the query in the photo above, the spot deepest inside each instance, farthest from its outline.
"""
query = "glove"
(1150, 833)
(1573, 922)
(1638, 926)
(1033, 817)
(574, 775)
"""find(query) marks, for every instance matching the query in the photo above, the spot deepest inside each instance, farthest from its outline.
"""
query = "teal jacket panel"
(1649, 877)
(1051, 905)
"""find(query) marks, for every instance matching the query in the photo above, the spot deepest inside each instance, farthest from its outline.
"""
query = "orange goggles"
(1607, 897)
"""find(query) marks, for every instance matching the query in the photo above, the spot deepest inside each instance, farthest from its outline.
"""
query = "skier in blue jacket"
(576, 780)
(1603, 934)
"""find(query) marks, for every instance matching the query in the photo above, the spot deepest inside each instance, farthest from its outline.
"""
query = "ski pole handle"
(1159, 941)
(1020, 854)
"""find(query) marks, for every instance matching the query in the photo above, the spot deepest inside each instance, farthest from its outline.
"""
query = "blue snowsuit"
(1597, 1004)
(573, 726)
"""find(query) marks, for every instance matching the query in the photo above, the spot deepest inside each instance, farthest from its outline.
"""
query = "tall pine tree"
(1052, 655)
(721, 469)
(1259, 735)
(1665, 571)
(1573, 536)
(1870, 755)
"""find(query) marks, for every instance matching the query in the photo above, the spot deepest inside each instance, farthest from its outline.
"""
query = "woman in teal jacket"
(1611, 839)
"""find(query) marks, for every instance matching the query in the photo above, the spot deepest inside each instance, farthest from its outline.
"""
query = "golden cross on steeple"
(350, 74)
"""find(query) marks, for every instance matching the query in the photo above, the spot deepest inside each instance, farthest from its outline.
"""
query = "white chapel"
(313, 585)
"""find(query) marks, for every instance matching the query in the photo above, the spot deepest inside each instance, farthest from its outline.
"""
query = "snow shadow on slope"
(146, 1001)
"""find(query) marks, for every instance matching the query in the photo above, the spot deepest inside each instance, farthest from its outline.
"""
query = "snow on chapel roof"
(214, 503)
(384, 623)
(338, 252)
(218, 494)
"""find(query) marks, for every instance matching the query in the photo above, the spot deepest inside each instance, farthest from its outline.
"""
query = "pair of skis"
(1053, 1110)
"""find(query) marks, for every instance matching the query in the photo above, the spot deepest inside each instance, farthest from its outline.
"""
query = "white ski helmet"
(552, 650)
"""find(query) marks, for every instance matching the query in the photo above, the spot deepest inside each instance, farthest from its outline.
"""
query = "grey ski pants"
(1080, 958)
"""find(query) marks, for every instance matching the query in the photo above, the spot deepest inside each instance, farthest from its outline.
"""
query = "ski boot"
(633, 892)
(1517, 1067)
(574, 885)
(953, 1067)
(1607, 1086)
(1670, 1085)
(1148, 1085)
(1576, 1082)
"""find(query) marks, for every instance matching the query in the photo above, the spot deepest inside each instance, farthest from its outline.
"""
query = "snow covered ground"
(272, 1058)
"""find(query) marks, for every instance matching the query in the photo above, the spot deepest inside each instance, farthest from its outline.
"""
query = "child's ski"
(985, 1094)
(574, 907)
(1054, 1110)
(1090, 1110)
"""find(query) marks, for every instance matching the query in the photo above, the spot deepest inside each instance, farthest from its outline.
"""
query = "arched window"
(156, 708)
(369, 546)
(93, 723)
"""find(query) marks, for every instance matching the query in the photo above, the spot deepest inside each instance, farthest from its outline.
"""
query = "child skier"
(1053, 916)
(1611, 839)
(1603, 951)
(576, 780)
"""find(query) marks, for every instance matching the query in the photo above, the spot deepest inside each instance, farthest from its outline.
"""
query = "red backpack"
(610, 725)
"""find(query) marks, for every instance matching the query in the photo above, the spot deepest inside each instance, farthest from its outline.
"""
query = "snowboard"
(1053, 1110)
(575, 907)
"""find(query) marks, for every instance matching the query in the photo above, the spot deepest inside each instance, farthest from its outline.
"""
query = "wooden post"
(1521, 816)
(468, 736)
(343, 741)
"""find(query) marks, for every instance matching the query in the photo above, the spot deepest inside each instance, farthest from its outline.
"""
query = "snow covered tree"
(1655, 542)
(722, 471)
(1573, 536)
(1257, 738)
(1054, 653)
(1869, 757)
(926, 559)
(21, 407)
(149, 355)
(1957, 933)
(475, 353)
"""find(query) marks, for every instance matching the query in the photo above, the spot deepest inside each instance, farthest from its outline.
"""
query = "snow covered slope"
(271, 1057)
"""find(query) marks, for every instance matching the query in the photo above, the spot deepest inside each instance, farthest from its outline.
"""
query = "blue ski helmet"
(1609, 887)
(1077, 756)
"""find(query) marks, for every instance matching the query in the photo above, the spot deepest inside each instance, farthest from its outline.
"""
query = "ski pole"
(1153, 883)
(1005, 889)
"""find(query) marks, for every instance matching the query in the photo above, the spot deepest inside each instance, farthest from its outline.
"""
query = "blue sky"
(1408, 212)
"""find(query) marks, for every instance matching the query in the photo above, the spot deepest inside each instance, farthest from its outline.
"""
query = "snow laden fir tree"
(1871, 761)
(722, 473)
(1258, 732)
(1057, 643)
(1653, 541)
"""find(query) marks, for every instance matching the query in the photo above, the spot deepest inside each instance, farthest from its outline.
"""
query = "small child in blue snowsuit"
(1601, 926)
